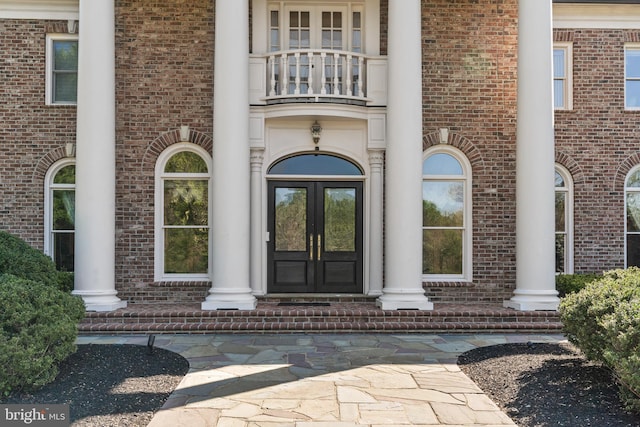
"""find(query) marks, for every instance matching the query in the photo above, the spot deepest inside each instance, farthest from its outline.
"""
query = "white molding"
(39, 9)
(569, 16)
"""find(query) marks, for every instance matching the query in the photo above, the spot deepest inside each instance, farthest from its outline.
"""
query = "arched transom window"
(183, 213)
(446, 215)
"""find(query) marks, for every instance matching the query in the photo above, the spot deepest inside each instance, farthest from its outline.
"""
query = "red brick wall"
(469, 86)
(597, 141)
(32, 135)
(164, 74)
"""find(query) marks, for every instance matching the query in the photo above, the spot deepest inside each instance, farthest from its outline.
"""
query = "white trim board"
(39, 9)
(619, 16)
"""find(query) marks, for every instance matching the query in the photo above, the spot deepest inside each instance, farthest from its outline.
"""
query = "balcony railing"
(314, 75)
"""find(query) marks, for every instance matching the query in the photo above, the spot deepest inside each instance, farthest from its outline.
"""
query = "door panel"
(315, 240)
(291, 268)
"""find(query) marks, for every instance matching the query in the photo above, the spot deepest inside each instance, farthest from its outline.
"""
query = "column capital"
(256, 157)
(376, 157)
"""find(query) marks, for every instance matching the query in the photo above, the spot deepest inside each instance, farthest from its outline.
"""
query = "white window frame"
(567, 47)
(467, 228)
(50, 39)
(160, 176)
(568, 217)
(49, 187)
(628, 47)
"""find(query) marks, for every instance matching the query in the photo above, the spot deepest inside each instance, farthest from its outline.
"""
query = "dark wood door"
(315, 237)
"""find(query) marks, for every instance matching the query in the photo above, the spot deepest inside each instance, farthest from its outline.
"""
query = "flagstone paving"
(318, 380)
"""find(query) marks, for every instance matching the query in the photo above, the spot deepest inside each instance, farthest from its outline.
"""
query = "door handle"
(319, 246)
(310, 247)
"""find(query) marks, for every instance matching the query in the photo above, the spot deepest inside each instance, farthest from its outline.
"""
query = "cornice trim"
(39, 9)
(619, 16)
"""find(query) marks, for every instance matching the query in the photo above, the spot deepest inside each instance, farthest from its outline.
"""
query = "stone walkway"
(321, 380)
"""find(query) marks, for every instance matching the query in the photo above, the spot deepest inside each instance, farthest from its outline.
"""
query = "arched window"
(632, 223)
(314, 164)
(564, 221)
(446, 215)
(60, 206)
(183, 213)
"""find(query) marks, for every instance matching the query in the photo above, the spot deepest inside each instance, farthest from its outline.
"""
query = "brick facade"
(597, 141)
(164, 79)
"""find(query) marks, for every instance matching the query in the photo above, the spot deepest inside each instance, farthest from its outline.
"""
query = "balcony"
(318, 75)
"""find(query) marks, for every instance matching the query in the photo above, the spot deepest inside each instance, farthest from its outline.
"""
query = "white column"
(376, 194)
(403, 204)
(231, 175)
(95, 158)
(535, 188)
(257, 237)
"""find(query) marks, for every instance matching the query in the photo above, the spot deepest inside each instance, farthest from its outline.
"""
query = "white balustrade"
(316, 73)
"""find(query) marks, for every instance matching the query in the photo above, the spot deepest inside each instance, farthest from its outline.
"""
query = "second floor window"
(632, 77)
(562, 60)
(62, 69)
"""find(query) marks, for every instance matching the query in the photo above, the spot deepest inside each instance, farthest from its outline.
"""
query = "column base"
(100, 301)
(408, 300)
(229, 300)
(526, 300)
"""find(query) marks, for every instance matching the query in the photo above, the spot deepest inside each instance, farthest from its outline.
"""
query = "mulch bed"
(547, 385)
(112, 385)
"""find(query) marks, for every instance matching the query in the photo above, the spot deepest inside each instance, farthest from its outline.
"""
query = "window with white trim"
(183, 195)
(60, 190)
(632, 76)
(446, 215)
(563, 76)
(564, 221)
(632, 223)
(62, 69)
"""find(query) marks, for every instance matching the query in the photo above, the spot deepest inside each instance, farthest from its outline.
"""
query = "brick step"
(337, 317)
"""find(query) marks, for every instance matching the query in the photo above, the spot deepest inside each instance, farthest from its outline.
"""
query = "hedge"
(38, 330)
(21, 260)
(603, 320)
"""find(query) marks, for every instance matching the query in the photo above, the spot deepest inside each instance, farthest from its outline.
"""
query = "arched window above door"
(314, 164)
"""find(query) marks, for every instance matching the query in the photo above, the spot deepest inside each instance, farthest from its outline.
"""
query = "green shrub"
(38, 329)
(603, 320)
(65, 281)
(571, 283)
(623, 350)
(21, 260)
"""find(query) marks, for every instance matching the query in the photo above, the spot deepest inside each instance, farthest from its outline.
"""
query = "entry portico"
(388, 148)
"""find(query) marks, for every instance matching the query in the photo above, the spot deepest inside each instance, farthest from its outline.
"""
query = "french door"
(315, 237)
